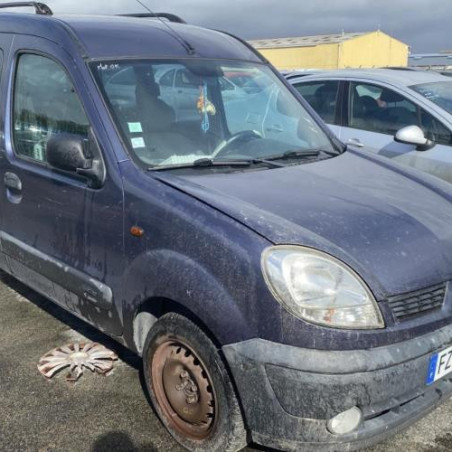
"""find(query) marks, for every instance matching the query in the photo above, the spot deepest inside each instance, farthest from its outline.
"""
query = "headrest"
(326, 90)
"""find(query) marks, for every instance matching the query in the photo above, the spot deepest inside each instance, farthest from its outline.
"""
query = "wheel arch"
(163, 281)
(152, 309)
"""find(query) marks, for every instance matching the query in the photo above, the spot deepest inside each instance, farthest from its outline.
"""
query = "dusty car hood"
(393, 226)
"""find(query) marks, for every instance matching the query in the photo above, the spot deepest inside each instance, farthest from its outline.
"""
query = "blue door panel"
(60, 236)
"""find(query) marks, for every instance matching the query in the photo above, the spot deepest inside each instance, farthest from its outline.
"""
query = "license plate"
(439, 366)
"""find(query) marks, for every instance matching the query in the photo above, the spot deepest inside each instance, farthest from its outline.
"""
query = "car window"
(379, 109)
(226, 85)
(197, 118)
(185, 79)
(382, 110)
(439, 93)
(45, 103)
(123, 78)
(434, 130)
(167, 79)
(322, 96)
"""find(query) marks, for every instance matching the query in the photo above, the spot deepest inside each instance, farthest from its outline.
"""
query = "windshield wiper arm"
(203, 163)
(209, 163)
(309, 153)
(268, 162)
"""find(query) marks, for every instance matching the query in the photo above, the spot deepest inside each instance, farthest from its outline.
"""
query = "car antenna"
(187, 46)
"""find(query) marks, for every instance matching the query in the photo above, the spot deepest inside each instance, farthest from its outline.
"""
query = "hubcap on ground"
(183, 389)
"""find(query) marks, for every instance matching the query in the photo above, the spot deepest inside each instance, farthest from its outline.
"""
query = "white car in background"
(402, 114)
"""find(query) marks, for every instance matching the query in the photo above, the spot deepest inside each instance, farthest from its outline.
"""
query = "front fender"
(166, 274)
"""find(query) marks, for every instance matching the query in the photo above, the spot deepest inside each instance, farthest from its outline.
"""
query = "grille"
(417, 303)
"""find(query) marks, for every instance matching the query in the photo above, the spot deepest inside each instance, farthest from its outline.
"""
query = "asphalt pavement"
(100, 414)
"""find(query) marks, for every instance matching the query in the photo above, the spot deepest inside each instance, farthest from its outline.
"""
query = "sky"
(422, 24)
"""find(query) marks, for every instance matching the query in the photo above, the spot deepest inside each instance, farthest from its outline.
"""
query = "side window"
(434, 130)
(379, 109)
(322, 96)
(185, 79)
(121, 87)
(167, 79)
(45, 103)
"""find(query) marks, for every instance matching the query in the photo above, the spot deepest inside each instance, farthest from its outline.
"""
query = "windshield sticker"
(108, 67)
(135, 127)
(205, 108)
(138, 143)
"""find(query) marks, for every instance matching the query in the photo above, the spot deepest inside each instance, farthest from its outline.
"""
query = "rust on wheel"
(183, 388)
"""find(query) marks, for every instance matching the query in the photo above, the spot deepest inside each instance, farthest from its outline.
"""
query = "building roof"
(431, 59)
(113, 37)
(305, 41)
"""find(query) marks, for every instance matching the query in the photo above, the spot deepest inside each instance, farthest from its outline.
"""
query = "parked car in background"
(301, 73)
(178, 88)
(369, 109)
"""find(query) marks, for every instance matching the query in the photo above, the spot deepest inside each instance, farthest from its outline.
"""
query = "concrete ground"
(103, 413)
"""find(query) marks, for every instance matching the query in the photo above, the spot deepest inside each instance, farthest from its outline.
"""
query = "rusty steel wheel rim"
(183, 389)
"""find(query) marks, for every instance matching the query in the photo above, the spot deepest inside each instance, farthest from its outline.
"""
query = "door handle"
(13, 182)
(355, 142)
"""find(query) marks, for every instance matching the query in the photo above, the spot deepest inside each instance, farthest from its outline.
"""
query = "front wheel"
(190, 387)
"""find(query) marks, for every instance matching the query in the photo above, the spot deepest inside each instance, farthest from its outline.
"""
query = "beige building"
(345, 50)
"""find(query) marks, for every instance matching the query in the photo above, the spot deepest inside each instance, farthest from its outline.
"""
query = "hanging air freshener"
(205, 107)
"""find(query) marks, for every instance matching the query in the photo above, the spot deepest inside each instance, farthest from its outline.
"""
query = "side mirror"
(73, 153)
(415, 136)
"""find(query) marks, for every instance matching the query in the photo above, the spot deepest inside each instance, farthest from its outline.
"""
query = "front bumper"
(289, 393)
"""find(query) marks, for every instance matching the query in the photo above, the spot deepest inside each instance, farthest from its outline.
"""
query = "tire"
(190, 387)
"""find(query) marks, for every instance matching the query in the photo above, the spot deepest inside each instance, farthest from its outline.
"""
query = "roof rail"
(40, 8)
(168, 16)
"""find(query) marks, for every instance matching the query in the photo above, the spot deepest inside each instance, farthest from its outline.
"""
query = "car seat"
(158, 121)
(324, 102)
(156, 115)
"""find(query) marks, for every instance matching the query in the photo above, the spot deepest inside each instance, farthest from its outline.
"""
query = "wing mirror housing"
(76, 154)
(414, 135)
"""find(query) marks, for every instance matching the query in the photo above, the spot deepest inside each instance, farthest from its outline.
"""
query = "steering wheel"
(244, 135)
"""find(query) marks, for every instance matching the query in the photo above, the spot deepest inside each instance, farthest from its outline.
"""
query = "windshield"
(179, 112)
(439, 93)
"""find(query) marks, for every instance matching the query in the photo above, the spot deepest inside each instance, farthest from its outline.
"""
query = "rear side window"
(167, 78)
(184, 79)
(45, 103)
(322, 96)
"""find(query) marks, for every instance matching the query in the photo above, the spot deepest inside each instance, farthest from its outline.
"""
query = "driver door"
(60, 236)
(376, 114)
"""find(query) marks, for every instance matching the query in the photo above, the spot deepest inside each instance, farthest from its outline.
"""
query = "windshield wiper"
(203, 163)
(301, 154)
(309, 153)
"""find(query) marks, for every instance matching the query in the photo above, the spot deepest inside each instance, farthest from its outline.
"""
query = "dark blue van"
(165, 184)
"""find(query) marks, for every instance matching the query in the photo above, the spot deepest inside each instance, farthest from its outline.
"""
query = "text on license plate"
(440, 365)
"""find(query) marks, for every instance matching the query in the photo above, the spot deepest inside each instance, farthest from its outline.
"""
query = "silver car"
(402, 114)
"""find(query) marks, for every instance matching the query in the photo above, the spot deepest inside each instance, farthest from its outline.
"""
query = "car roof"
(400, 77)
(99, 37)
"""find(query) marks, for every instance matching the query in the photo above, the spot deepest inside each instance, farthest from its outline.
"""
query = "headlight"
(320, 289)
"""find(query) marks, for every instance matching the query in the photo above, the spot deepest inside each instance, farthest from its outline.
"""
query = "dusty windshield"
(178, 112)
(439, 92)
